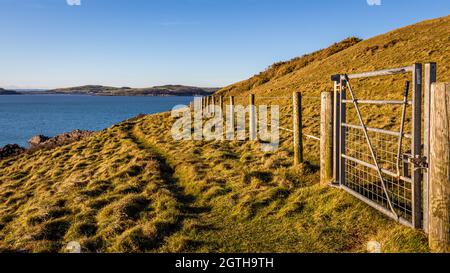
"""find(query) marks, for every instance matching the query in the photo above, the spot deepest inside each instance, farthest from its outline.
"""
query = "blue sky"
(137, 43)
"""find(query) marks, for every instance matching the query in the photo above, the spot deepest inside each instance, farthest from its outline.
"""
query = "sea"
(24, 116)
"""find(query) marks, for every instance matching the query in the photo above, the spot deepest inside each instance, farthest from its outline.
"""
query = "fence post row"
(326, 137)
(439, 168)
(297, 119)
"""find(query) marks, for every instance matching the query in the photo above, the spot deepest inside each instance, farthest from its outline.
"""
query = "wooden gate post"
(416, 145)
(429, 78)
(439, 168)
(252, 127)
(326, 138)
(297, 118)
(336, 131)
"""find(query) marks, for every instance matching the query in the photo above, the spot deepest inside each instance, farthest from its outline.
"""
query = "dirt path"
(187, 203)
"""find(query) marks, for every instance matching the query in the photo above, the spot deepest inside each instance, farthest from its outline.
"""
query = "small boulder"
(40, 141)
(37, 140)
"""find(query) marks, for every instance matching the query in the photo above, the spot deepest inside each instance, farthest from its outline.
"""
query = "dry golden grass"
(132, 188)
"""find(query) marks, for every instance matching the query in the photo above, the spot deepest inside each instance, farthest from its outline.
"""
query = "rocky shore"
(11, 150)
(41, 142)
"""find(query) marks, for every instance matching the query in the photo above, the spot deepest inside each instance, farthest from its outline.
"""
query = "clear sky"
(137, 43)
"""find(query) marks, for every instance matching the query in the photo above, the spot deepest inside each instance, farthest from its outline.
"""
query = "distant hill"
(165, 90)
(100, 90)
(8, 92)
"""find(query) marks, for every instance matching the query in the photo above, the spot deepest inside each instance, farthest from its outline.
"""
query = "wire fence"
(364, 179)
(309, 110)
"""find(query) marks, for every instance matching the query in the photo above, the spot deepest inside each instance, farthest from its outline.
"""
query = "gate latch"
(419, 161)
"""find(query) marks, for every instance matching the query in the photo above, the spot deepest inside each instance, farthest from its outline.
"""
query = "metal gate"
(381, 167)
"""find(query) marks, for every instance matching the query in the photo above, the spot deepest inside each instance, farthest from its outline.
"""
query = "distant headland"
(100, 90)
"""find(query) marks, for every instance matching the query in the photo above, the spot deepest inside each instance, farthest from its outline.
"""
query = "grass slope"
(132, 188)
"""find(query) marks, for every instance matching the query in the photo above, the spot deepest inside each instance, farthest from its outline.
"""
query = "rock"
(37, 140)
(40, 141)
(11, 150)
(66, 138)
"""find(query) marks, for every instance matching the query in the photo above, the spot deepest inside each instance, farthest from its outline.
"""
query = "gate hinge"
(419, 161)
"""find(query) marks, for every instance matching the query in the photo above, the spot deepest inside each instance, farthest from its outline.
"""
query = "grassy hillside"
(422, 42)
(132, 188)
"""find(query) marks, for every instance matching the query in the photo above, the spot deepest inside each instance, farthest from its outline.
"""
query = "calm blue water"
(24, 116)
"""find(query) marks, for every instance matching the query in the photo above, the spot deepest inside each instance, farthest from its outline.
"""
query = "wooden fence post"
(230, 120)
(213, 98)
(201, 105)
(429, 78)
(205, 105)
(326, 138)
(439, 168)
(252, 127)
(297, 117)
(221, 103)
